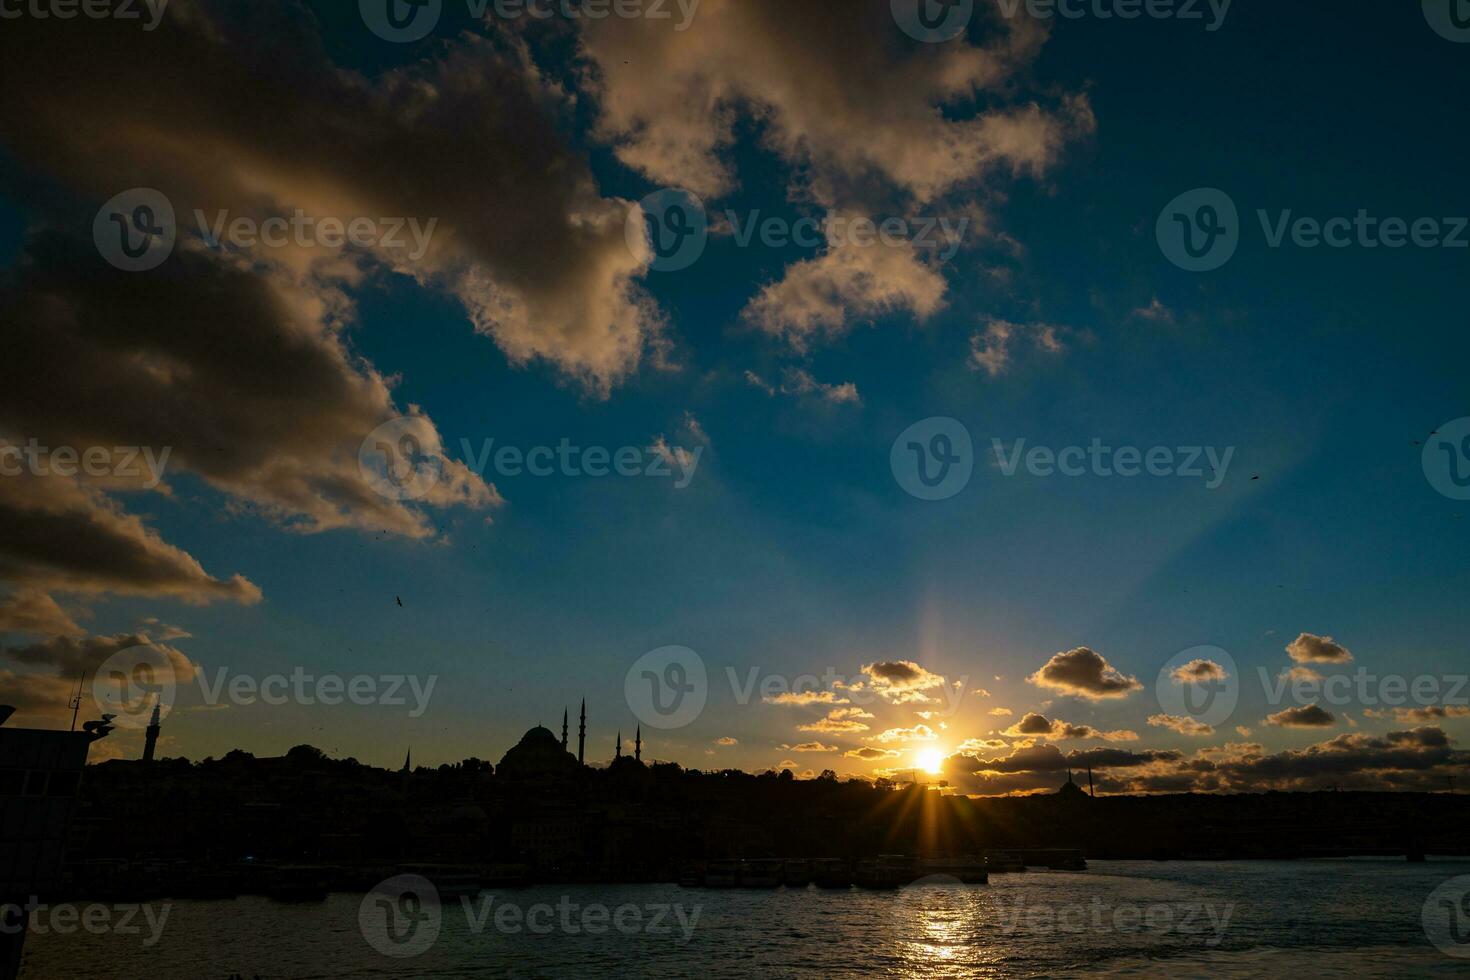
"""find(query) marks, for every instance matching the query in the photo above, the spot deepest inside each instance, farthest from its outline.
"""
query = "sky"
(785, 388)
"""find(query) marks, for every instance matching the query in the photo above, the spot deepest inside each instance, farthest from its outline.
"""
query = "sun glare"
(931, 760)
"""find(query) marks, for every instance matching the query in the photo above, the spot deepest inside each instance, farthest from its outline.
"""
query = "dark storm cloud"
(1084, 673)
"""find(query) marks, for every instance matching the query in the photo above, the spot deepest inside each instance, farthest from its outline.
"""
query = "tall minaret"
(1089, 780)
(618, 752)
(151, 734)
(638, 745)
(563, 729)
(582, 734)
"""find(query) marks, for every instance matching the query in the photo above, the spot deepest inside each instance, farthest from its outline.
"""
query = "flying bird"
(400, 602)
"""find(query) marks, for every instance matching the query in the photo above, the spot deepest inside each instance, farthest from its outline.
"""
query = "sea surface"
(1362, 918)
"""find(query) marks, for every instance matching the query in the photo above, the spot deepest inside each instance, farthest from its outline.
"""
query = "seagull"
(400, 602)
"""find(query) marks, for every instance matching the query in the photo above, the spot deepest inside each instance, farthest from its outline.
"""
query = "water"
(1121, 918)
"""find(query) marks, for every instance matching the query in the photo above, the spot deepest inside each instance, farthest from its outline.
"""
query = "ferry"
(832, 873)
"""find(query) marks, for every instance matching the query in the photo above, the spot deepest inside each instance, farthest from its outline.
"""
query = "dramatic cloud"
(901, 681)
(804, 697)
(1198, 672)
(919, 733)
(869, 753)
(1180, 724)
(820, 297)
(836, 97)
(1038, 726)
(992, 349)
(33, 611)
(1084, 673)
(810, 747)
(1314, 649)
(836, 722)
(1306, 716)
(1432, 712)
(266, 124)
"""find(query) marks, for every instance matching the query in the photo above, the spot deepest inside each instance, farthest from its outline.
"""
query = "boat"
(831, 873)
(761, 873)
(722, 874)
(1004, 862)
(886, 871)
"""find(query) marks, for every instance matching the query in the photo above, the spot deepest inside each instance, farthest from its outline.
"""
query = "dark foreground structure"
(304, 822)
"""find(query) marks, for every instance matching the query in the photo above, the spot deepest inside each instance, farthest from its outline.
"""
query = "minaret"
(638, 745)
(407, 762)
(563, 729)
(582, 734)
(618, 752)
(1089, 780)
(151, 734)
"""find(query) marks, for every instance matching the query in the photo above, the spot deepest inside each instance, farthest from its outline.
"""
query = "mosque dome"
(539, 752)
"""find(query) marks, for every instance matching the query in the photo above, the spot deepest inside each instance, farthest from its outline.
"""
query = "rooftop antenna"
(75, 704)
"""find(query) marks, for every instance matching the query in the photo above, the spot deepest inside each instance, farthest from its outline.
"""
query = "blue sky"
(794, 549)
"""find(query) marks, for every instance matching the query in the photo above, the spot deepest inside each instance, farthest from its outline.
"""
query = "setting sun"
(931, 760)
